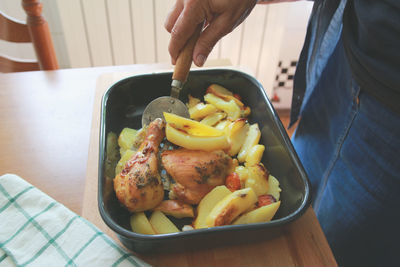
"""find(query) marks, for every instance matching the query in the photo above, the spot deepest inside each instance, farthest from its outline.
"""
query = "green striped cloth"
(36, 230)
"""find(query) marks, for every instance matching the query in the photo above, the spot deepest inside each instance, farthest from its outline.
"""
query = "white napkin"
(36, 230)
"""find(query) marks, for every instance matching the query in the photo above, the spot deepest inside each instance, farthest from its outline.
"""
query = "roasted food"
(210, 165)
(175, 208)
(138, 187)
(196, 172)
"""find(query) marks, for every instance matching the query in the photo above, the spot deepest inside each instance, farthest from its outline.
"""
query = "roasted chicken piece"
(138, 187)
(175, 208)
(196, 172)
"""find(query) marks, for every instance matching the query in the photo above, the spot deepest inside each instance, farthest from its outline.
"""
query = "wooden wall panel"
(252, 37)
(96, 20)
(231, 45)
(216, 52)
(73, 25)
(121, 33)
(142, 12)
(162, 7)
(271, 44)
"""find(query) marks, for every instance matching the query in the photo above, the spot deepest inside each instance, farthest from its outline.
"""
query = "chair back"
(35, 31)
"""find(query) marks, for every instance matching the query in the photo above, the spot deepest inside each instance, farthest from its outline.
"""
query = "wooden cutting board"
(302, 243)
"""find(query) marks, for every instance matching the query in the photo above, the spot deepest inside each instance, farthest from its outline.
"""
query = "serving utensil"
(172, 104)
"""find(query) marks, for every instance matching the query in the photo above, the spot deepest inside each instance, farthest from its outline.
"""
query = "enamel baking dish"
(122, 106)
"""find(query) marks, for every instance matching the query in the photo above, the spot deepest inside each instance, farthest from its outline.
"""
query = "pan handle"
(185, 57)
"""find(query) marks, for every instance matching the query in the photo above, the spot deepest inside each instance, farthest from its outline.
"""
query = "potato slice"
(255, 154)
(176, 208)
(161, 224)
(237, 132)
(112, 155)
(218, 90)
(206, 143)
(126, 139)
(258, 179)
(223, 93)
(262, 214)
(121, 163)
(193, 101)
(243, 173)
(141, 225)
(208, 203)
(230, 207)
(245, 112)
(273, 187)
(223, 125)
(191, 127)
(201, 110)
(229, 107)
(252, 139)
(213, 119)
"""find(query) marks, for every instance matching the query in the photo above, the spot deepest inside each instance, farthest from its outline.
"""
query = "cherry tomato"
(265, 200)
(232, 182)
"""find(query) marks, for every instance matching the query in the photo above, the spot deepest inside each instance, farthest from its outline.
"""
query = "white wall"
(90, 33)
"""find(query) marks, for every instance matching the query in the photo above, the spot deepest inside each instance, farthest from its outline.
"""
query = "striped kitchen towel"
(36, 230)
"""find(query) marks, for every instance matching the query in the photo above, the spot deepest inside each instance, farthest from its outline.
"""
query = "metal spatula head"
(171, 103)
(163, 104)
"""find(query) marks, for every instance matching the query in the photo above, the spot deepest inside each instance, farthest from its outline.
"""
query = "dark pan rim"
(228, 228)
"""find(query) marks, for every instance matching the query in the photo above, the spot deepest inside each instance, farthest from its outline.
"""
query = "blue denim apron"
(349, 145)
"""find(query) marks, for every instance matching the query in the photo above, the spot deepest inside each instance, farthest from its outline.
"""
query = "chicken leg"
(138, 187)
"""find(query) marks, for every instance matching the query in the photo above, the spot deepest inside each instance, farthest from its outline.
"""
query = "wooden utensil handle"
(185, 57)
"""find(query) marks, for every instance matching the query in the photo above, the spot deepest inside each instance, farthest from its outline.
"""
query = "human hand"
(220, 17)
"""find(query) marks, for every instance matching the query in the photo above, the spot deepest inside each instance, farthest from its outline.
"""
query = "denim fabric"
(349, 145)
(323, 32)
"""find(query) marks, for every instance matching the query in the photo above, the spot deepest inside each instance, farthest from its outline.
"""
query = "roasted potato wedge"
(112, 155)
(206, 143)
(262, 214)
(252, 139)
(126, 139)
(223, 93)
(140, 224)
(237, 132)
(223, 125)
(161, 224)
(255, 154)
(208, 203)
(213, 119)
(273, 187)
(229, 107)
(243, 173)
(121, 163)
(245, 112)
(230, 207)
(193, 101)
(201, 110)
(191, 127)
(258, 179)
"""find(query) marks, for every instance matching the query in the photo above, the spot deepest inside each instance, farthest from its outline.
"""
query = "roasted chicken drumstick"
(138, 187)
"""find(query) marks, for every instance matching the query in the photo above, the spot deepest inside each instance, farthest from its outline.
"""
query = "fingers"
(173, 15)
(184, 28)
(209, 37)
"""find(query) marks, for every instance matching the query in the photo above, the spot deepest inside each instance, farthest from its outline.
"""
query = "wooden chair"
(35, 31)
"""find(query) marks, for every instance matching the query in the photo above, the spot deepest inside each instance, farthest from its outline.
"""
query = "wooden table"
(45, 136)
